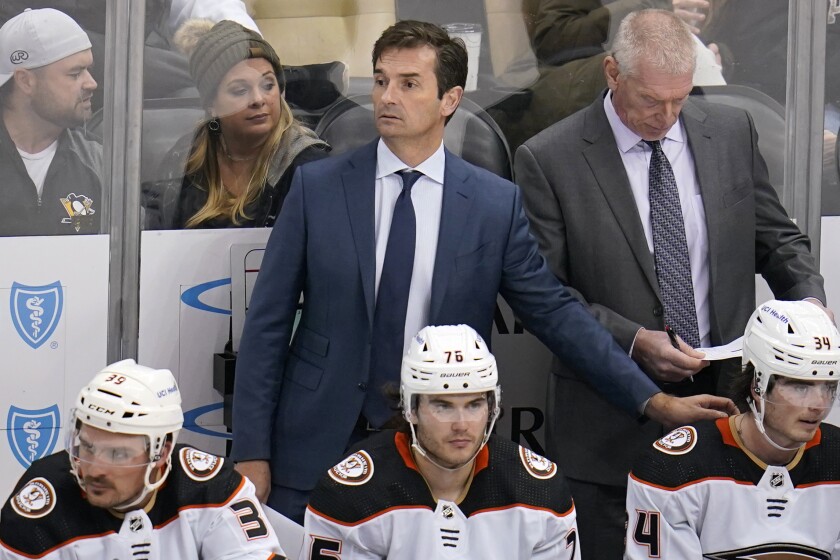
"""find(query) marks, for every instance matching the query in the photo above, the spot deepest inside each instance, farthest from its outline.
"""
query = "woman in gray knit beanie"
(243, 155)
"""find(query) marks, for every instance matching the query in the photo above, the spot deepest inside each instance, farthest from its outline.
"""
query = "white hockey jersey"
(699, 494)
(204, 511)
(376, 505)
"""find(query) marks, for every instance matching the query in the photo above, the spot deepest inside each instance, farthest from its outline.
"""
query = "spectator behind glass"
(164, 68)
(570, 39)
(51, 172)
(235, 169)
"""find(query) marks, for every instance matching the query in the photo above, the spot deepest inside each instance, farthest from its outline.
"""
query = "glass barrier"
(54, 276)
(831, 156)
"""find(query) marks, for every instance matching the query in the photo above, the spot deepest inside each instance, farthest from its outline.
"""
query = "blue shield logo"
(32, 433)
(36, 311)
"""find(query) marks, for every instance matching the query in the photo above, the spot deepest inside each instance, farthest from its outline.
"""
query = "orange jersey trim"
(366, 519)
(404, 449)
(482, 460)
(692, 483)
(725, 427)
(56, 547)
(202, 506)
(821, 483)
(525, 506)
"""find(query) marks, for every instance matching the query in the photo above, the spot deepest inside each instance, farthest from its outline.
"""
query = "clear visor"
(87, 445)
(801, 393)
(455, 408)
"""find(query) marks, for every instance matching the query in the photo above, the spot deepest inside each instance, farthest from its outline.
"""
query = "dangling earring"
(214, 125)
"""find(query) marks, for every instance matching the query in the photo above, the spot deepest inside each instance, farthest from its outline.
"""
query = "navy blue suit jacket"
(297, 405)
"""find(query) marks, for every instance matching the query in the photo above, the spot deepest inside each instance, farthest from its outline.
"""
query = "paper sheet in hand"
(731, 350)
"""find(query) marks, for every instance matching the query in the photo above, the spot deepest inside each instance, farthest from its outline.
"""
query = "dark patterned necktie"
(670, 249)
(392, 303)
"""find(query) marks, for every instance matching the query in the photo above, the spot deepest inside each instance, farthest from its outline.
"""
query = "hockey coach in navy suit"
(382, 241)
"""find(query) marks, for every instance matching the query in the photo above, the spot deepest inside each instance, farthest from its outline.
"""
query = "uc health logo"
(32, 433)
(36, 311)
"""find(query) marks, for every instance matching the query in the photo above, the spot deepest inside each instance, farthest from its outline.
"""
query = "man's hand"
(692, 12)
(825, 309)
(672, 412)
(259, 473)
(652, 350)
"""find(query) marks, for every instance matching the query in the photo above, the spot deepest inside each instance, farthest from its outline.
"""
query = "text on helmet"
(781, 317)
(168, 391)
(102, 409)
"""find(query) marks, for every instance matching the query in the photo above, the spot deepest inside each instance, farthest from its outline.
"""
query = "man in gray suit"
(655, 210)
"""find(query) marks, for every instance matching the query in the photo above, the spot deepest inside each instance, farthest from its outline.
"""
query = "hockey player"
(123, 489)
(765, 483)
(443, 487)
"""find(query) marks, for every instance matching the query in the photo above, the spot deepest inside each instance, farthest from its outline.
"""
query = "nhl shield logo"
(32, 433)
(36, 311)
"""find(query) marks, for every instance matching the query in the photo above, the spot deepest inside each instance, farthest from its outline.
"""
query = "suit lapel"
(359, 191)
(458, 194)
(605, 162)
(701, 139)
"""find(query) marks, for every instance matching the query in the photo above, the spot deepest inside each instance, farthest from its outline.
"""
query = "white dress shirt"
(636, 157)
(427, 198)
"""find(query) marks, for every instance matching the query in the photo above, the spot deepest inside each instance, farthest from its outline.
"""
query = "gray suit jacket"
(583, 213)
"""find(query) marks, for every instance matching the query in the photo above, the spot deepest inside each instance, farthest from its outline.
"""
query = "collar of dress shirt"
(625, 138)
(387, 163)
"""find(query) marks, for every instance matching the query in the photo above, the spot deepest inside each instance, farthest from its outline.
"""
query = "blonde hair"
(204, 162)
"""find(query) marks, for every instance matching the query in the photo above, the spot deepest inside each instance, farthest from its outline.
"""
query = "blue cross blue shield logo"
(32, 433)
(36, 311)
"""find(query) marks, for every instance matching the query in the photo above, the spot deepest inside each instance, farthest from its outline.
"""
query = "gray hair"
(658, 37)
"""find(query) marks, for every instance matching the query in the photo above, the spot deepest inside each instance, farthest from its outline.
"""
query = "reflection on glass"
(235, 169)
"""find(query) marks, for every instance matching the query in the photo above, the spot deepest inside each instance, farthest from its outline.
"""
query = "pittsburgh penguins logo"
(775, 551)
(537, 465)
(198, 465)
(679, 442)
(354, 470)
(36, 499)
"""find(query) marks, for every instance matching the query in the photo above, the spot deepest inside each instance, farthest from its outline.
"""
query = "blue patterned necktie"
(670, 249)
(392, 303)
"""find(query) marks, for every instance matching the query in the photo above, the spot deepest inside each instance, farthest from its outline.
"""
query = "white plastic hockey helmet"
(792, 339)
(448, 360)
(452, 360)
(127, 398)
